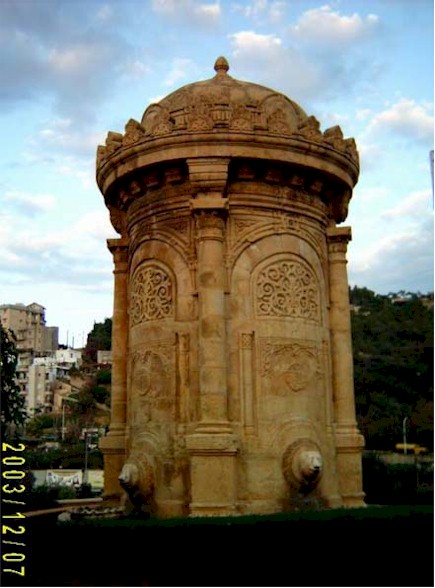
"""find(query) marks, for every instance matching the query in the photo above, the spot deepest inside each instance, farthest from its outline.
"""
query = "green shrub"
(45, 496)
(104, 376)
(100, 393)
(398, 483)
(69, 457)
(37, 424)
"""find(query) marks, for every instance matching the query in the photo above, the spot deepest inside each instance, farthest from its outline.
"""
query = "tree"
(393, 364)
(13, 413)
(99, 339)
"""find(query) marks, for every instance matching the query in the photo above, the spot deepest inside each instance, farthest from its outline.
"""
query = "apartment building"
(27, 322)
(45, 378)
(33, 340)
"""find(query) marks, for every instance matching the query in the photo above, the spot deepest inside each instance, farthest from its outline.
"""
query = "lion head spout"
(302, 465)
(137, 481)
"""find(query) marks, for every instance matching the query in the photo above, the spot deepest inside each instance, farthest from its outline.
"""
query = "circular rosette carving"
(287, 289)
(149, 375)
(293, 367)
(151, 295)
(302, 465)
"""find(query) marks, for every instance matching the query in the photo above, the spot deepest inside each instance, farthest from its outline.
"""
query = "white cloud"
(105, 12)
(84, 172)
(324, 26)
(402, 260)
(405, 118)
(261, 9)
(30, 204)
(417, 204)
(169, 6)
(72, 61)
(330, 119)
(94, 225)
(180, 69)
(253, 9)
(63, 134)
(279, 66)
(369, 154)
(363, 113)
(276, 11)
(188, 10)
(136, 69)
(59, 53)
(155, 99)
(209, 11)
(72, 253)
(373, 195)
(247, 41)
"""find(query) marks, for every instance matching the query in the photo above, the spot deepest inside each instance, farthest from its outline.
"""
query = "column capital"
(119, 249)
(338, 238)
(210, 223)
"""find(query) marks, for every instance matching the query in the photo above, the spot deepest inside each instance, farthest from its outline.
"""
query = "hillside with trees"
(393, 366)
(99, 339)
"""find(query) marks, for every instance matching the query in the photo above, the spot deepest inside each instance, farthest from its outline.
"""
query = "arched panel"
(279, 276)
(170, 281)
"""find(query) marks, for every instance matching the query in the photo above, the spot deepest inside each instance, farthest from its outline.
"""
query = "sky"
(72, 70)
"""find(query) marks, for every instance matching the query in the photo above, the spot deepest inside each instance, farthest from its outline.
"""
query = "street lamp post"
(89, 435)
(405, 449)
(85, 473)
(68, 399)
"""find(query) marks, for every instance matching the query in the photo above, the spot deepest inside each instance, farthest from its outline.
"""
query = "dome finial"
(221, 66)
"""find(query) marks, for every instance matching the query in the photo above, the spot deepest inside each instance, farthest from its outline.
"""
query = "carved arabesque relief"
(290, 366)
(287, 288)
(152, 384)
(152, 295)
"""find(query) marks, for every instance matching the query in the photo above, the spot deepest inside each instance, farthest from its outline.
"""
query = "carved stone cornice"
(208, 174)
(118, 219)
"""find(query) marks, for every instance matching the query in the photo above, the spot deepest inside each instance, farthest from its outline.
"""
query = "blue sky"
(72, 70)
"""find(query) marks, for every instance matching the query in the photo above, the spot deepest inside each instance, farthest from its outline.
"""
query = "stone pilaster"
(211, 299)
(212, 447)
(349, 442)
(113, 445)
(247, 370)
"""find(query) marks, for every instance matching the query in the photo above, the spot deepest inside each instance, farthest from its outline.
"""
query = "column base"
(354, 500)
(198, 509)
(212, 474)
(113, 449)
(349, 446)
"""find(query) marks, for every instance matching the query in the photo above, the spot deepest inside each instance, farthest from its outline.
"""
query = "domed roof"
(223, 103)
(225, 117)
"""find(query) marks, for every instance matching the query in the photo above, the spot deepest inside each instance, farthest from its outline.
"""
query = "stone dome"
(223, 103)
(226, 118)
